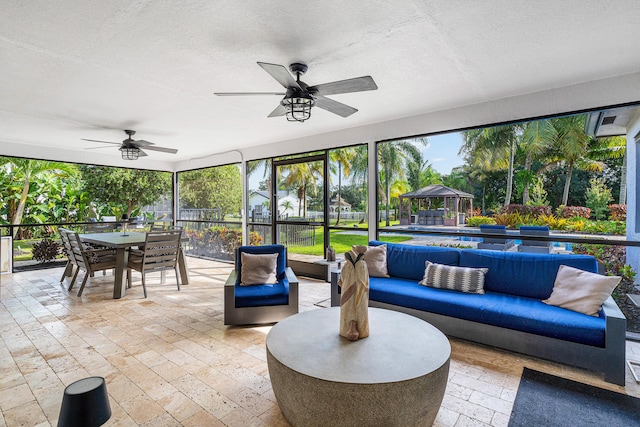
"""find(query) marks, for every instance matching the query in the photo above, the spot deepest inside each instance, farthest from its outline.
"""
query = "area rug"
(547, 400)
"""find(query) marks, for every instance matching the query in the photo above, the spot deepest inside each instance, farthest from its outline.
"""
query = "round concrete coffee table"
(396, 376)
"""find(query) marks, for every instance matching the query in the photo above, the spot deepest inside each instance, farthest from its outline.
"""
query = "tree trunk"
(567, 183)
(388, 191)
(525, 191)
(507, 199)
(17, 218)
(623, 181)
(484, 190)
(365, 218)
(339, 192)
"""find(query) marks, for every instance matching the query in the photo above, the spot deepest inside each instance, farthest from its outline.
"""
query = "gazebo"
(449, 214)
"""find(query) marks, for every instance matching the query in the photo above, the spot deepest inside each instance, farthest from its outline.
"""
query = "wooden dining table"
(121, 243)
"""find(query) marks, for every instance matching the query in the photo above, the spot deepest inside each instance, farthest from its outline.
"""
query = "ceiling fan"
(130, 148)
(300, 97)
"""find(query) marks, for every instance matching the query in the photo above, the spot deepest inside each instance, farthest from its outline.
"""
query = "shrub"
(474, 212)
(606, 227)
(475, 221)
(552, 222)
(526, 210)
(598, 198)
(618, 212)
(538, 194)
(577, 223)
(571, 211)
(513, 220)
(45, 250)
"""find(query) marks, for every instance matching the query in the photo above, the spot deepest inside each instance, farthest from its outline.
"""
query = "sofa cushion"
(523, 274)
(376, 259)
(463, 279)
(508, 311)
(581, 291)
(407, 261)
(260, 295)
(258, 269)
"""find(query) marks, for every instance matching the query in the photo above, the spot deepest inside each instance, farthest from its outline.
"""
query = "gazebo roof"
(436, 190)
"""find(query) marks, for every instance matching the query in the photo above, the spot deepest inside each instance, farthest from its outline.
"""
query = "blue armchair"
(261, 303)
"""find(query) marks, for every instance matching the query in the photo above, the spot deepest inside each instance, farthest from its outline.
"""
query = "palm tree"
(360, 173)
(392, 158)
(612, 147)
(286, 205)
(300, 176)
(498, 144)
(456, 179)
(479, 172)
(421, 173)
(534, 143)
(342, 157)
(571, 148)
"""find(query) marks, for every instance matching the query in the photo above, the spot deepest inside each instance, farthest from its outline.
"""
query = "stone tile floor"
(170, 361)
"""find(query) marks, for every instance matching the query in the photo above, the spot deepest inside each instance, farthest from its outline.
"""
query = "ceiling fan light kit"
(298, 107)
(130, 153)
(300, 97)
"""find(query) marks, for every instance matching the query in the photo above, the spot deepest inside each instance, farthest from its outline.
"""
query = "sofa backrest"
(407, 261)
(523, 274)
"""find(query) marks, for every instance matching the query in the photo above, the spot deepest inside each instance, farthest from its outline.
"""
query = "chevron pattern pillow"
(464, 279)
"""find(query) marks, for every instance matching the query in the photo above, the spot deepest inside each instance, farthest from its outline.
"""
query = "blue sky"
(442, 152)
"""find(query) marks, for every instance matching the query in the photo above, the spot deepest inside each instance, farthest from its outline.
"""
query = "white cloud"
(438, 159)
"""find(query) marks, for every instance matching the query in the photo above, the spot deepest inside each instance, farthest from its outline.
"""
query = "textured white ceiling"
(89, 69)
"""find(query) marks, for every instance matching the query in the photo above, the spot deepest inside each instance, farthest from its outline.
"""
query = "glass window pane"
(209, 206)
(259, 202)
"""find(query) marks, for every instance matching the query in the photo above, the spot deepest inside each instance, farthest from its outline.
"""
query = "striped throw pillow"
(464, 279)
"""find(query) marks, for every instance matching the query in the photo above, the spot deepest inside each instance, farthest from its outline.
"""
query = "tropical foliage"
(217, 187)
(125, 189)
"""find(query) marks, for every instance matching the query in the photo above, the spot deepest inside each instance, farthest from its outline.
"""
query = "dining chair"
(71, 260)
(89, 259)
(160, 253)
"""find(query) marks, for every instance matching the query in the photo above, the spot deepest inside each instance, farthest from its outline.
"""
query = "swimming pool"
(557, 245)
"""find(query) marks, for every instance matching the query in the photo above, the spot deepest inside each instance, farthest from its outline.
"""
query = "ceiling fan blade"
(279, 111)
(247, 93)
(334, 107)
(357, 84)
(142, 153)
(104, 142)
(143, 143)
(95, 148)
(162, 149)
(281, 74)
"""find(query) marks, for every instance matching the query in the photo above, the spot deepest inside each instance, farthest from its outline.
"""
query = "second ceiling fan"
(300, 97)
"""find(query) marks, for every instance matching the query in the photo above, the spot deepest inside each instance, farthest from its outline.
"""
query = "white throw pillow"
(258, 269)
(376, 259)
(463, 279)
(580, 290)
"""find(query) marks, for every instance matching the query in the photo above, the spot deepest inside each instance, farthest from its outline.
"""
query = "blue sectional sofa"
(510, 314)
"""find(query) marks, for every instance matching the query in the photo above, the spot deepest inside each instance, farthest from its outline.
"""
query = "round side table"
(396, 376)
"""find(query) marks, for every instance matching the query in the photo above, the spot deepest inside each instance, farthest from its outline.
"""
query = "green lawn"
(341, 242)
